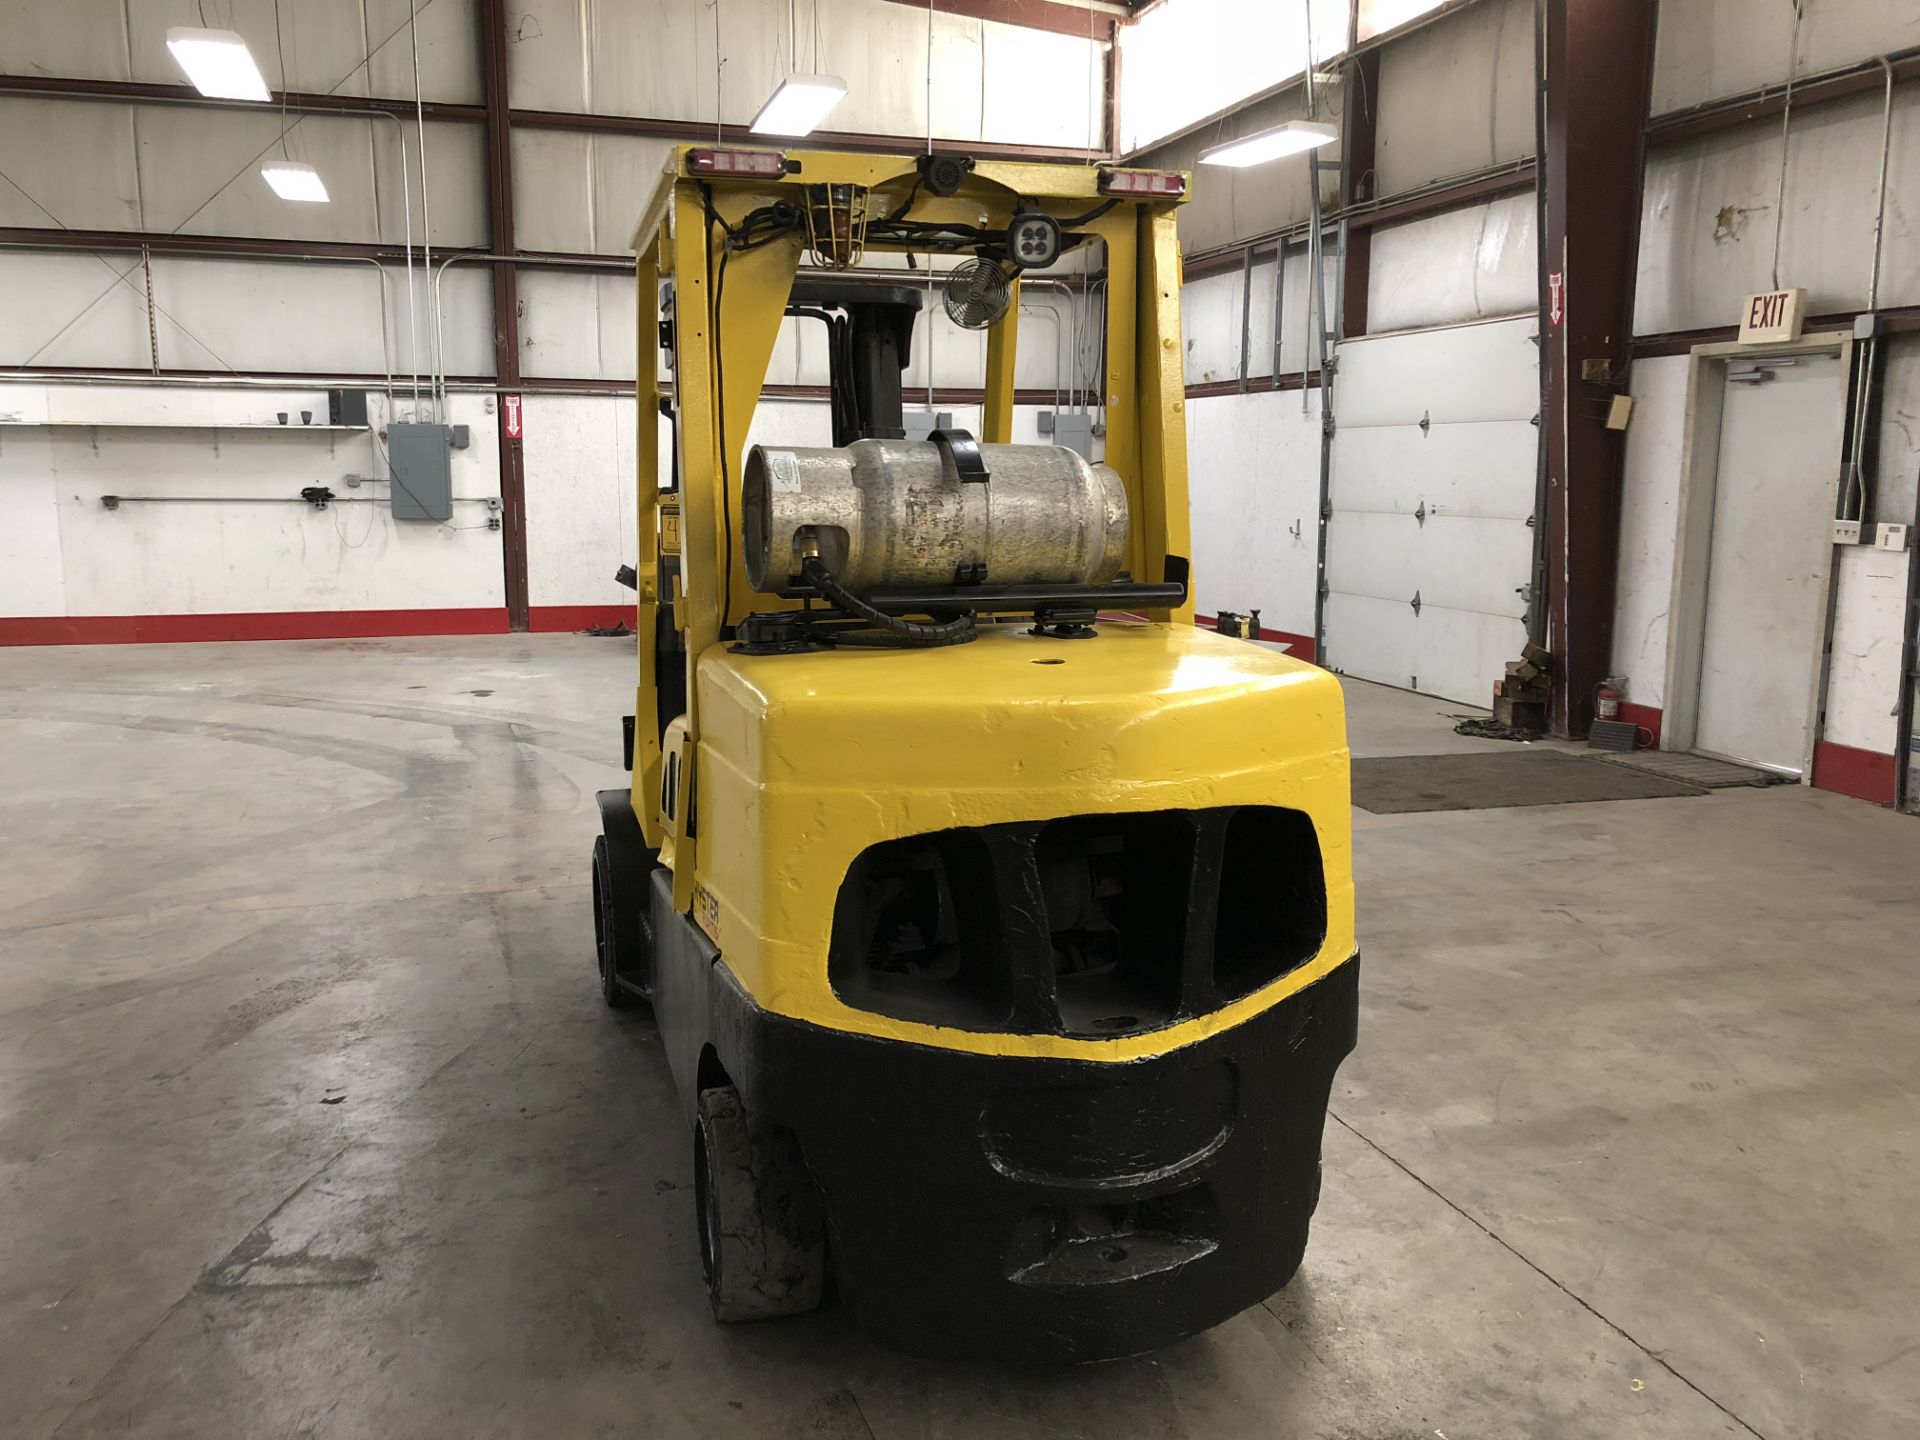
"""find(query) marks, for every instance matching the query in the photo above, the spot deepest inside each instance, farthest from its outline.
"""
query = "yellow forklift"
(998, 921)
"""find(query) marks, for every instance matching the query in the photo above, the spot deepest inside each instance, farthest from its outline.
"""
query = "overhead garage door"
(1429, 540)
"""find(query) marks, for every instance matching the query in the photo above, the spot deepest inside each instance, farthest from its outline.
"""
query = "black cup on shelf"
(306, 417)
(282, 417)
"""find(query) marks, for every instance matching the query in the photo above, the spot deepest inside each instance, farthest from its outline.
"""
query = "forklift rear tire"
(619, 940)
(762, 1241)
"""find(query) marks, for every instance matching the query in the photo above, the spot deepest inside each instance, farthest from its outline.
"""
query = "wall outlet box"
(1890, 537)
(1846, 532)
(921, 423)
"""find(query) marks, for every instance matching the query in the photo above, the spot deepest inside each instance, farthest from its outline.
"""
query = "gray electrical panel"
(1074, 429)
(421, 459)
(921, 423)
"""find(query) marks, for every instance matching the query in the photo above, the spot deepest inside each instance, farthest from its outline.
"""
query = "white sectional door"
(1429, 545)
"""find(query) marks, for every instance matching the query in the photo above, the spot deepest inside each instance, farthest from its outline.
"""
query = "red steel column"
(506, 302)
(1595, 74)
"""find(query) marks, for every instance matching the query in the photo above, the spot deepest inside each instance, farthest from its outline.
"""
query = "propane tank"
(1607, 699)
(899, 512)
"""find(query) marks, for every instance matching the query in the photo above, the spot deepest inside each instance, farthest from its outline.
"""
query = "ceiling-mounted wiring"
(1093, 105)
(718, 61)
(1786, 125)
(280, 54)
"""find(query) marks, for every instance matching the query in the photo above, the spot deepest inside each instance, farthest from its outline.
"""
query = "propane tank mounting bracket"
(960, 447)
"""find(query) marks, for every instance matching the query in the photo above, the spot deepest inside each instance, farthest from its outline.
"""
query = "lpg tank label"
(783, 472)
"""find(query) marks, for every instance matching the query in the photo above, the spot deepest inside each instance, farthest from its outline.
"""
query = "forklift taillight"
(736, 162)
(1142, 182)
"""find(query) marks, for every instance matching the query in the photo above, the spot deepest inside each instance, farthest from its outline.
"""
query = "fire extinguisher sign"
(510, 415)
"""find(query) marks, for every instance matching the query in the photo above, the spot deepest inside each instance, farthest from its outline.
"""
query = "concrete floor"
(1628, 1149)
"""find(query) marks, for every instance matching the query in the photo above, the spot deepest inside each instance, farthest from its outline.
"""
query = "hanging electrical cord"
(1786, 124)
(1093, 54)
(893, 631)
(931, 311)
(280, 53)
(426, 206)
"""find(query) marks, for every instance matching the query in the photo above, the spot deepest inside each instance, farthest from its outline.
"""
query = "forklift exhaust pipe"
(898, 512)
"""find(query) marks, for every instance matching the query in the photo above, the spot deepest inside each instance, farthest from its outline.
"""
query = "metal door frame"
(1693, 541)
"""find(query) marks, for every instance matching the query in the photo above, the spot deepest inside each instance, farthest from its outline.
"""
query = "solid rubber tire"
(762, 1243)
(610, 955)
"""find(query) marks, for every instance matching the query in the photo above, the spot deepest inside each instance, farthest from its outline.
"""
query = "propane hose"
(893, 631)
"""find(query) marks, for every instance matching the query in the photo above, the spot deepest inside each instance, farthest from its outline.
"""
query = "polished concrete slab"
(312, 1123)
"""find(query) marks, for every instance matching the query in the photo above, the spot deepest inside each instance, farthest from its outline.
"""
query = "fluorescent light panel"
(1292, 138)
(292, 180)
(218, 63)
(799, 105)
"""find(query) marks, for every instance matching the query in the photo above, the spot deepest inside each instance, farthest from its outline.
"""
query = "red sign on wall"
(510, 414)
(1556, 298)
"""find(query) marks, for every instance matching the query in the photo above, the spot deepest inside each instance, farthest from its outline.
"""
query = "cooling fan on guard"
(978, 293)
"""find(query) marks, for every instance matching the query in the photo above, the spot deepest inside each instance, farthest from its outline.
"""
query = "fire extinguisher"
(1607, 699)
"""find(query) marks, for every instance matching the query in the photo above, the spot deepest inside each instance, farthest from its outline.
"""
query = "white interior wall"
(1708, 216)
(583, 193)
(89, 310)
(181, 169)
(1710, 49)
(68, 554)
(1475, 263)
(655, 58)
(326, 43)
(1475, 68)
(1211, 319)
(1649, 526)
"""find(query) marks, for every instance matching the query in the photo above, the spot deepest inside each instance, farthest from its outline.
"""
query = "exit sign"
(1772, 315)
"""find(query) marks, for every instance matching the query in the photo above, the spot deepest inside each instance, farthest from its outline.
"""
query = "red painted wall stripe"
(266, 625)
(295, 625)
(550, 618)
(1863, 774)
(1302, 645)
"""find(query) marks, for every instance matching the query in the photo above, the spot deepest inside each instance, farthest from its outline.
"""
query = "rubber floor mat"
(1403, 784)
(1697, 769)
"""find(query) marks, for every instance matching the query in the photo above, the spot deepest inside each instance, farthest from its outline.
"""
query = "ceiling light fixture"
(799, 105)
(218, 63)
(1292, 138)
(292, 180)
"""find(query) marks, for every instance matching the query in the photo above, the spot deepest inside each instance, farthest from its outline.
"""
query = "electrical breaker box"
(1074, 429)
(921, 423)
(420, 458)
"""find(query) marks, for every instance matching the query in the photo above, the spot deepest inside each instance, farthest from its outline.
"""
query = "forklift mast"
(869, 346)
